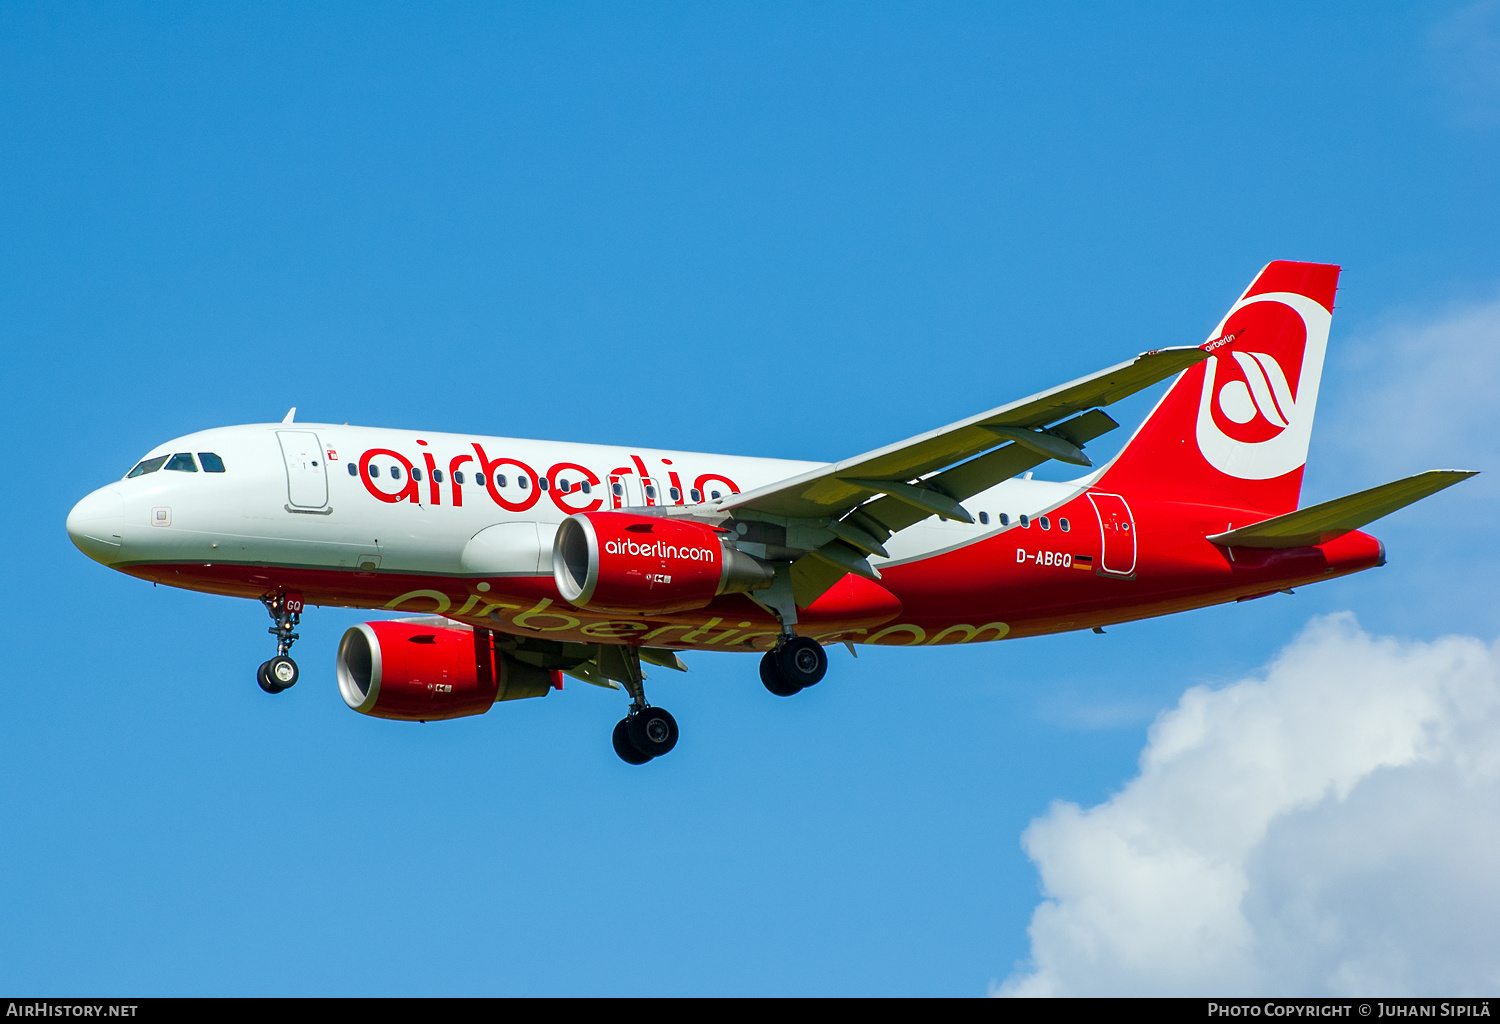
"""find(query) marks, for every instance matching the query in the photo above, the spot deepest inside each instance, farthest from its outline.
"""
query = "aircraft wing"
(840, 486)
(836, 516)
(1322, 522)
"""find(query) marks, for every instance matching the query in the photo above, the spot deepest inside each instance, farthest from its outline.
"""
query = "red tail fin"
(1233, 430)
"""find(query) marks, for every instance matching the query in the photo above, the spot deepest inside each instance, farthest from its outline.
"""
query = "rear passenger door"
(1117, 534)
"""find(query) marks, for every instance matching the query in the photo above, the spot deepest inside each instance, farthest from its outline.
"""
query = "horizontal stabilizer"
(1318, 523)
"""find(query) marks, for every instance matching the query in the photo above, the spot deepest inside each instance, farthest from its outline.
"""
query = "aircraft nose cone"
(97, 524)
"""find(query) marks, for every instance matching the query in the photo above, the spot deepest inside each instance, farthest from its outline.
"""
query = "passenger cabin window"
(716, 495)
(395, 472)
(1062, 524)
(585, 488)
(353, 469)
(437, 476)
(458, 477)
(696, 495)
(1004, 519)
(676, 494)
(651, 490)
(416, 474)
(984, 518)
(374, 470)
(1025, 523)
(1044, 523)
(148, 466)
(521, 482)
(183, 462)
(479, 480)
(617, 488)
(211, 462)
(543, 483)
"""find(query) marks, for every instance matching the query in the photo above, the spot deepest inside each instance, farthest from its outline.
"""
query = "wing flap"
(664, 658)
(970, 478)
(1322, 522)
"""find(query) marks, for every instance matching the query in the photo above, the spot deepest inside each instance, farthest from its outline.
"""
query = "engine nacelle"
(421, 673)
(620, 562)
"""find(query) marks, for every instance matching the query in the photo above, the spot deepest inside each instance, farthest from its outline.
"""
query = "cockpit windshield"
(148, 466)
(182, 462)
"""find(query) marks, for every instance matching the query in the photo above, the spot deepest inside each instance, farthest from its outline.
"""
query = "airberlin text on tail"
(1233, 430)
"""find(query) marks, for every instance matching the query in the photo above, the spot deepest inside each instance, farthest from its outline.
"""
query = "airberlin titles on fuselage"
(570, 485)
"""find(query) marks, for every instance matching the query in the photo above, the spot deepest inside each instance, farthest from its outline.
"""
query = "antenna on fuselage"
(290, 415)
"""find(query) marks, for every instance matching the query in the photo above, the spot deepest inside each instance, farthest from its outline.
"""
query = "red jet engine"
(421, 673)
(620, 562)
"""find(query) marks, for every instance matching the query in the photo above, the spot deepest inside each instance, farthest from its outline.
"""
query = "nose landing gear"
(280, 673)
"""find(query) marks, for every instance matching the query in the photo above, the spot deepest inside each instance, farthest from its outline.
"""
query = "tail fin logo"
(1254, 423)
(1257, 399)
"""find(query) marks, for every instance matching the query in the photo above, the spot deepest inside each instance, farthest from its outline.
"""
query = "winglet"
(1318, 523)
(291, 414)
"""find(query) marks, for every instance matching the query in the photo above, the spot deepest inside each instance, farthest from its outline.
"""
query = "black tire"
(282, 672)
(770, 675)
(652, 731)
(266, 682)
(624, 747)
(802, 661)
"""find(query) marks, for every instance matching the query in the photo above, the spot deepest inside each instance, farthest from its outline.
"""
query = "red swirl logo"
(1254, 400)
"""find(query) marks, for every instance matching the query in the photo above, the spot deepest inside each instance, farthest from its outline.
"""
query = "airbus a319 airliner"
(518, 561)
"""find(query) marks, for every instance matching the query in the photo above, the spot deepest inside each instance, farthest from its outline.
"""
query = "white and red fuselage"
(1064, 556)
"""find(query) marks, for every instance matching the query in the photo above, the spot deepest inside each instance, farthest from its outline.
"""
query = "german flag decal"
(1084, 562)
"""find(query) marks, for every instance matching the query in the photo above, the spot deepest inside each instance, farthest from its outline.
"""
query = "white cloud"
(1329, 827)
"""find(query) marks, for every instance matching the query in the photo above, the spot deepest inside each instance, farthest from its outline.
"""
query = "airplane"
(516, 562)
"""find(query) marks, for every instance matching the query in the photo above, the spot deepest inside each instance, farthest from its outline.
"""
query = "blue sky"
(784, 230)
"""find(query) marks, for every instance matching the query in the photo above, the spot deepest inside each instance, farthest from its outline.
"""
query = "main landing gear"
(795, 663)
(645, 732)
(280, 673)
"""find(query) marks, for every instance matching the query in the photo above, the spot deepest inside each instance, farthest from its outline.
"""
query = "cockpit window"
(148, 466)
(183, 462)
(211, 462)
